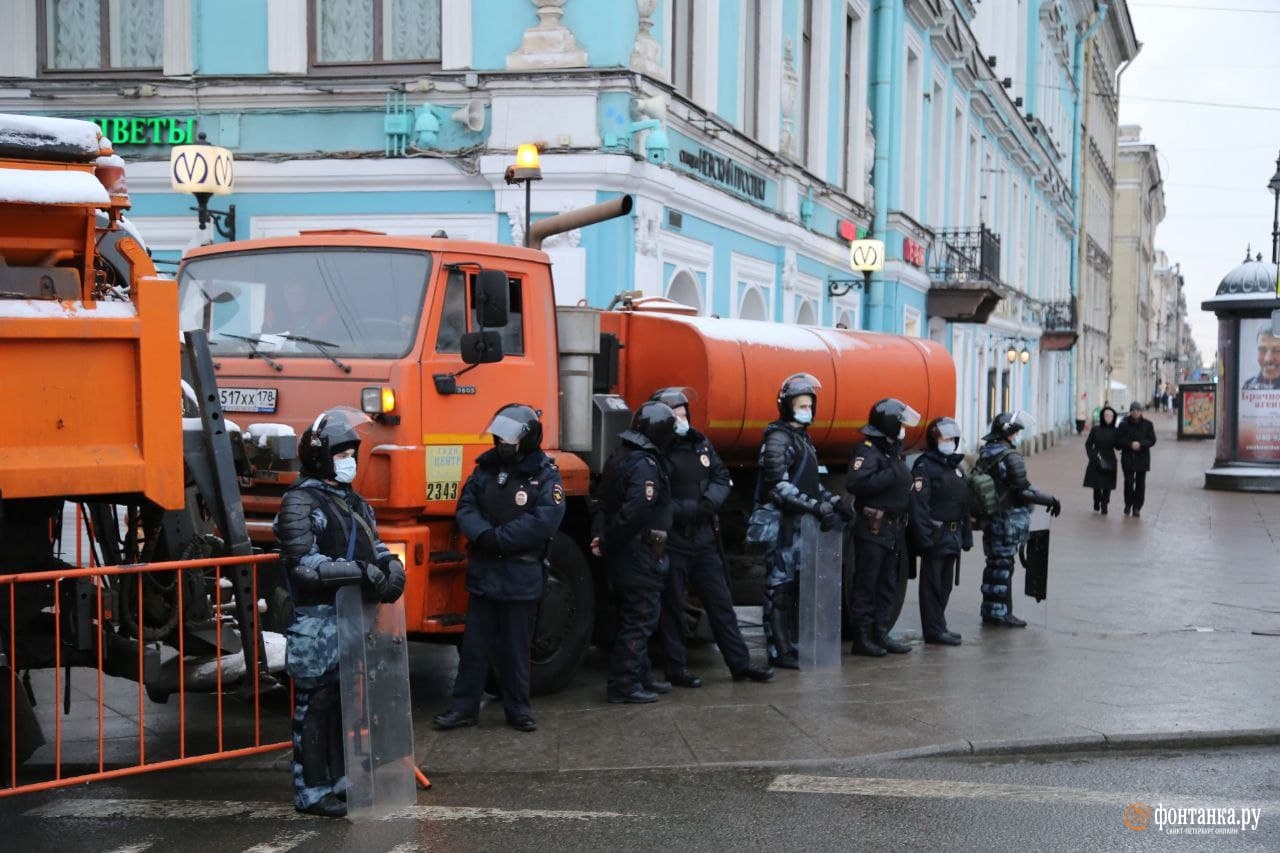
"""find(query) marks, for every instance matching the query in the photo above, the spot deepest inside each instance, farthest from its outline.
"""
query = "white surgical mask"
(902, 433)
(948, 447)
(804, 416)
(1016, 438)
(682, 426)
(344, 470)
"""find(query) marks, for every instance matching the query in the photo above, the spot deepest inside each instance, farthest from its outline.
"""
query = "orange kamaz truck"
(430, 335)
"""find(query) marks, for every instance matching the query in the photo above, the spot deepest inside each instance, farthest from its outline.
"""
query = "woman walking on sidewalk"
(1100, 448)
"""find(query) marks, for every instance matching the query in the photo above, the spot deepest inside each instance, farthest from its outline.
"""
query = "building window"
(681, 58)
(751, 67)
(910, 321)
(807, 313)
(937, 154)
(103, 34)
(685, 289)
(753, 305)
(352, 32)
(806, 81)
(912, 103)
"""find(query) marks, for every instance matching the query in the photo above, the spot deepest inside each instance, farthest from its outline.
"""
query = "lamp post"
(204, 171)
(1274, 186)
(526, 170)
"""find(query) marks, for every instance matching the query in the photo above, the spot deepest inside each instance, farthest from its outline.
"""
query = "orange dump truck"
(406, 329)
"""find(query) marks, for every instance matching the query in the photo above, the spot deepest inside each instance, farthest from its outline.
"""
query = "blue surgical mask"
(804, 416)
(682, 426)
(344, 470)
(902, 433)
(1016, 438)
(948, 447)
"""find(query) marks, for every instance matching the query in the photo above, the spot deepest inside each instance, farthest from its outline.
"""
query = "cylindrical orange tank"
(735, 368)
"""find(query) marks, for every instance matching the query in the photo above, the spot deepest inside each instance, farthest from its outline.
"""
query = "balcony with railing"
(964, 265)
(1060, 325)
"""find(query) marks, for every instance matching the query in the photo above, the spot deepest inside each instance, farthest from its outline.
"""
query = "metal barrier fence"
(207, 746)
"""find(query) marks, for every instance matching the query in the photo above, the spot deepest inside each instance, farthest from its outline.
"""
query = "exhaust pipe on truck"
(571, 219)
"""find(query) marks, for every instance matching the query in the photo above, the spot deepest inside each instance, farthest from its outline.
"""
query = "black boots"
(684, 678)
(889, 644)
(760, 674)
(452, 719)
(327, 806)
(864, 643)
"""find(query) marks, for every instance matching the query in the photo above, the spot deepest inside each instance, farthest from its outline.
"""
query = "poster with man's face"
(1259, 406)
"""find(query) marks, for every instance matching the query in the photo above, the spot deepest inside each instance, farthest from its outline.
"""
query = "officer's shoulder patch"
(919, 486)
(650, 489)
(867, 443)
(705, 460)
(857, 462)
(651, 461)
(959, 473)
(557, 493)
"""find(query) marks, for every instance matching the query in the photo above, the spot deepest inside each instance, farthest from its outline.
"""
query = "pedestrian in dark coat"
(1137, 436)
(1100, 448)
(328, 539)
(880, 483)
(788, 479)
(700, 484)
(630, 531)
(940, 526)
(509, 509)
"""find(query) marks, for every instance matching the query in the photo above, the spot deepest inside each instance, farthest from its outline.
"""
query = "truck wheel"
(565, 617)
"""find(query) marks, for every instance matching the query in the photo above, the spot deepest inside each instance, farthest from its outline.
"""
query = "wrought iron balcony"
(1060, 330)
(964, 264)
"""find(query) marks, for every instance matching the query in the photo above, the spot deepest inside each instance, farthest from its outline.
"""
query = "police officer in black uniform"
(880, 483)
(630, 531)
(328, 539)
(510, 508)
(940, 525)
(699, 486)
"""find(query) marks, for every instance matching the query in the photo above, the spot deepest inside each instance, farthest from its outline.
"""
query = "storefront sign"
(148, 130)
(912, 252)
(724, 171)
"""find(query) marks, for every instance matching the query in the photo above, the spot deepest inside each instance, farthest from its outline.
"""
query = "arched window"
(807, 315)
(846, 320)
(685, 289)
(753, 306)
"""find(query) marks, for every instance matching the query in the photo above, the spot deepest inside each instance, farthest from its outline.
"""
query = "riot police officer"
(788, 479)
(509, 509)
(1007, 528)
(880, 483)
(699, 486)
(328, 539)
(630, 531)
(940, 525)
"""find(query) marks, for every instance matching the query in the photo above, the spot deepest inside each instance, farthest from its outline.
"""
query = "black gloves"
(1055, 507)
(845, 511)
(375, 579)
(706, 509)
(394, 570)
(486, 545)
(829, 521)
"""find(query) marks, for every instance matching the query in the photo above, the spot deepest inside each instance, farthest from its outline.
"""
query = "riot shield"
(1035, 557)
(377, 721)
(821, 570)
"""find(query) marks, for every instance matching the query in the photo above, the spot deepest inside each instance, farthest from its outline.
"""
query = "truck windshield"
(306, 303)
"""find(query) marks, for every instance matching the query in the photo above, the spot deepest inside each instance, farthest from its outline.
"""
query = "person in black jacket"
(940, 525)
(699, 486)
(509, 509)
(1137, 435)
(1100, 448)
(1008, 528)
(788, 478)
(630, 530)
(880, 483)
(328, 539)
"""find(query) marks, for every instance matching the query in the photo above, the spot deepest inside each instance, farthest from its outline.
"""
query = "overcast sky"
(1215, 161)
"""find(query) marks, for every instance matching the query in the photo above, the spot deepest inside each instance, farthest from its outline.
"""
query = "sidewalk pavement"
(1145, 636)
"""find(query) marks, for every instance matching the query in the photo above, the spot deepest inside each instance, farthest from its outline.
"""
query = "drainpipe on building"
(882, 97)
(1077, 160)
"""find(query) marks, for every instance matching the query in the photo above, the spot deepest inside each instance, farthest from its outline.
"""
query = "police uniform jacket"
(789, 471)
(700, 485)
(879, 480)
(634, 504)
(1010, 474)
(1142, 432)
(523, 504)
(940, 504)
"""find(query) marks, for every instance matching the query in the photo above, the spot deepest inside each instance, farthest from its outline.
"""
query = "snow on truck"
(430, 336)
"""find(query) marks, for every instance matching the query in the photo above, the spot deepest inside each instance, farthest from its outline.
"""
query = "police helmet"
(1005, 424)
(333, 431)
(656, 422)
(940, 430)
(518, 424)
(888, 417)
(673, 397)
(796, 385)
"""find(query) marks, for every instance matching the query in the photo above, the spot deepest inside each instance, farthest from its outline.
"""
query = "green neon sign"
(148, 130)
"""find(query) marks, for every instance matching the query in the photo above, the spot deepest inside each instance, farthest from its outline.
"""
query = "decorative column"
(646, 56)
(790, 88)
(548, 44)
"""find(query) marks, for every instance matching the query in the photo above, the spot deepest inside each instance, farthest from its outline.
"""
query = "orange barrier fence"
(170, 733)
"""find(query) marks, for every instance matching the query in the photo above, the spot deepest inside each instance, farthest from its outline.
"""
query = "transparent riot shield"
(821, 570)
(1035, 556)
(377, 721)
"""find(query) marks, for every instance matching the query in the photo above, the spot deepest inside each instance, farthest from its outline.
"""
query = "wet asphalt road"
(1045, 802)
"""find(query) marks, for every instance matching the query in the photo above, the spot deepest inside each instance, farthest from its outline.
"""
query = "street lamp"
(527, 169)
(205, 170)
(1274, 186)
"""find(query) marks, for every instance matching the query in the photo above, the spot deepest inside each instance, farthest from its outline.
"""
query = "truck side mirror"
(492, 298)
(483, 347)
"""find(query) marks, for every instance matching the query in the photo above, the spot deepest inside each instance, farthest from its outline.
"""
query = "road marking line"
(281, 843)
(946, 789)
(209, 809)
(406, 847)
(133, 848)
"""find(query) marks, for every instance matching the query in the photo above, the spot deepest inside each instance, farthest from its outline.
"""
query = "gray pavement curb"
(1085, 743)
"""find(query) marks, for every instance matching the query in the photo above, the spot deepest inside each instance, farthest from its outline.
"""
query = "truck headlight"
(377, 401)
